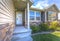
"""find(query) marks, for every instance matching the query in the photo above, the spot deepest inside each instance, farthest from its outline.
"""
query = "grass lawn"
(54, 36)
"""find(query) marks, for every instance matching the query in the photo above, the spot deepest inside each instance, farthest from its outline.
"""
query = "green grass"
(55, 36)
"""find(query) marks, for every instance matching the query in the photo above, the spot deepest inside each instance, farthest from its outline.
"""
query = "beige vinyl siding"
(7, 19)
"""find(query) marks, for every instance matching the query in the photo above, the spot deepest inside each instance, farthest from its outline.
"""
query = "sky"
(45, 3)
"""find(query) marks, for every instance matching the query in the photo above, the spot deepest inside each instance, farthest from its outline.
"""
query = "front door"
(18, 18)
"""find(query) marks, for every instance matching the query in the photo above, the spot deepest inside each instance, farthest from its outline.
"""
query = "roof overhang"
(36, 9)
(21, 4)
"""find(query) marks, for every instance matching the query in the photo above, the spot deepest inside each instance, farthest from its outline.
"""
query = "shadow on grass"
(46, 37)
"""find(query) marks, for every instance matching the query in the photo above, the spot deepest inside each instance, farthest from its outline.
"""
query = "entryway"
(19, 20)
(21, 34)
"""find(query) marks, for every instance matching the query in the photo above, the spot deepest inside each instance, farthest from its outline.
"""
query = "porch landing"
(21, 34)
(20, 29)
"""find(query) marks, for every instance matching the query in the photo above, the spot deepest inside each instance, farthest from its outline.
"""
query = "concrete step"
(21, 32)
(22, 35)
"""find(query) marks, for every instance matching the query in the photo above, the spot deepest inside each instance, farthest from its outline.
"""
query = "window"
(51, 16)
(32, 15)
(37, 15)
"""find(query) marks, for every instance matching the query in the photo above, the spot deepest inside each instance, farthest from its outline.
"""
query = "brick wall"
(7, 19)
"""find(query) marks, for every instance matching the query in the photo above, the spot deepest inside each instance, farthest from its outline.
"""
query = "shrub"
(54, 25)
(44, 27)
(34, 28)
(58, 28)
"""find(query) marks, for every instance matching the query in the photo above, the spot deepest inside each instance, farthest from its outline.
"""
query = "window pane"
(38, 15)
(37, 18)
(32, 15)
(49, 15)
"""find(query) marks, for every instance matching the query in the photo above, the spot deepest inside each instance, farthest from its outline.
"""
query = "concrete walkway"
(41, 33)
(22, 39)
(21, 34)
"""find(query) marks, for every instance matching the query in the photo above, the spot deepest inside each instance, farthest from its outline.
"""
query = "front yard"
(54, 36)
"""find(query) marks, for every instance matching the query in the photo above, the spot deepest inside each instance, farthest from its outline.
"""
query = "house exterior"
(59, 16)
(20, 13)
(47, 14)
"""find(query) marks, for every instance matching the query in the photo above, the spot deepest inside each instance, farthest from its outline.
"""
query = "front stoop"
(21, 34)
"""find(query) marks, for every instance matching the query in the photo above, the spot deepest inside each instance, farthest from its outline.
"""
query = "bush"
(44, 27)
(58, 29)
(54, 25)
(34, 28)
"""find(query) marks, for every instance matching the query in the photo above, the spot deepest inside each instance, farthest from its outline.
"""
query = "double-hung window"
(51, 16)
(35, 15)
